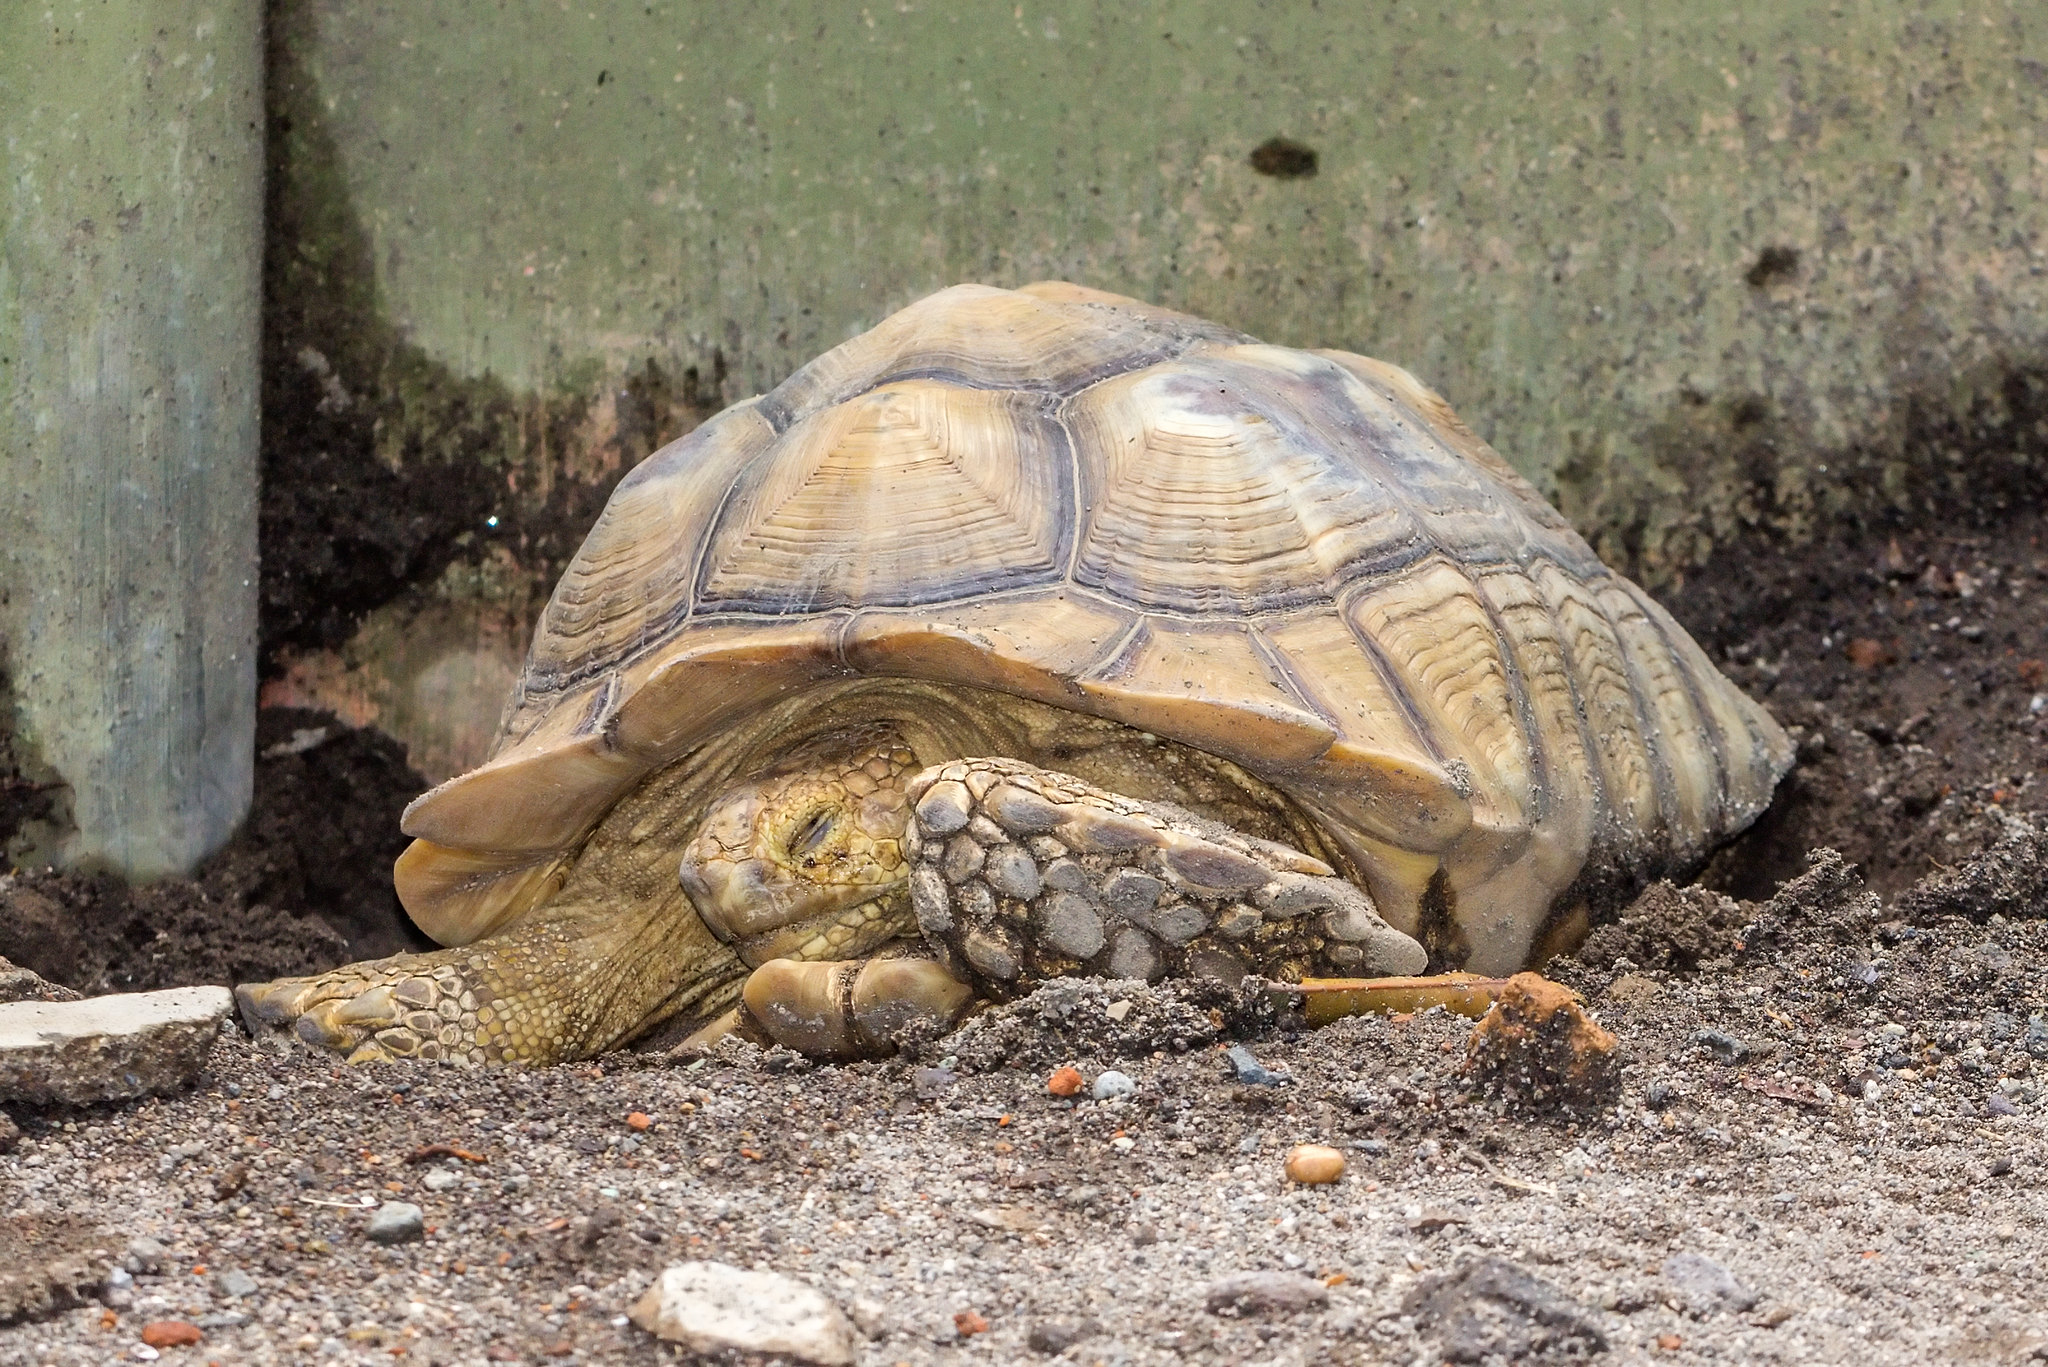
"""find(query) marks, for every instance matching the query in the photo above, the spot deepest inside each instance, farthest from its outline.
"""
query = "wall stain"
(1284, 159)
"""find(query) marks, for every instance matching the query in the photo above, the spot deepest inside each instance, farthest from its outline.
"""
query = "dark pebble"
(1252, 1072)
(1490, 1309)
(1724, 1047)
(1056, 1336)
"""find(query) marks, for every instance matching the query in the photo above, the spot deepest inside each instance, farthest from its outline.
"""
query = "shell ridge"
(1602, 800)
(1756, 766)
(1371, 458)
(1105, 667)
(1710, 726)
(700, 566)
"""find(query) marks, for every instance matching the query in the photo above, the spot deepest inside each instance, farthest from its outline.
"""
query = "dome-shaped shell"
(1298, 560)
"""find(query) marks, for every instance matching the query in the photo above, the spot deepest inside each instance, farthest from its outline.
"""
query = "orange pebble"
(170, 1334)
(969, 1324)
(639, 1120)
(1314, 1164)
(1064, 1082)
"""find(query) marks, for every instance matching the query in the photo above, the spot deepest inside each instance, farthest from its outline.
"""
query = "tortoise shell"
(1298, 560)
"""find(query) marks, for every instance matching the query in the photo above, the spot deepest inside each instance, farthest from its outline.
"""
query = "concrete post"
(129, 291)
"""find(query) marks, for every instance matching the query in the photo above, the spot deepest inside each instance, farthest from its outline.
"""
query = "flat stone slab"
(715, 1307)
(108, 1048)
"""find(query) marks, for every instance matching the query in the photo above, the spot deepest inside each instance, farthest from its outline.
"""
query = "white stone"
(715, 1307)
(108, 1048)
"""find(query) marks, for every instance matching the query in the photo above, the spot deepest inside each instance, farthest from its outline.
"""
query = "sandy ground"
(1856, 1138)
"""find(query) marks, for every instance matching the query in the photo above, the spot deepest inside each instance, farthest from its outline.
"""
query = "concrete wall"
(1689, 266)
(128, 374)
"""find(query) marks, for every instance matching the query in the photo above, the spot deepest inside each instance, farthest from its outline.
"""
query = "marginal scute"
(1299, 562)
(1431, 624)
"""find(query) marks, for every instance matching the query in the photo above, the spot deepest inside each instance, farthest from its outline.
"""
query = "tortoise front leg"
(566, 987)
(1020, 874)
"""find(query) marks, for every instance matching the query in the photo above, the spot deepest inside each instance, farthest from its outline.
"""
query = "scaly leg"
(563, 988)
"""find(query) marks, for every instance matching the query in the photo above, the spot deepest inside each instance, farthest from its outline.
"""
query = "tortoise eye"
(810, 833)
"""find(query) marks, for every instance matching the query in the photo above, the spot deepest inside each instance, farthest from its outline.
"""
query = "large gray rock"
(108, 1048)
(714, 1307)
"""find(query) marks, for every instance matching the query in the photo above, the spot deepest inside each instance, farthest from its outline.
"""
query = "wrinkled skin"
(850, 892)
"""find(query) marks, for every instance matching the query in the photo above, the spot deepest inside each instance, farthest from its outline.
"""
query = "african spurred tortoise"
(1042, 632)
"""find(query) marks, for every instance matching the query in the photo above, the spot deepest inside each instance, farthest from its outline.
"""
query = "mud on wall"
(1690, 267)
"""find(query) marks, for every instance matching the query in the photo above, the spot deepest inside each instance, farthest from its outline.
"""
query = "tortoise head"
(807, 860)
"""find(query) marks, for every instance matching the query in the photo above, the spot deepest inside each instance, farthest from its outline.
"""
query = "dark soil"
(305, 884)
(1911, 663)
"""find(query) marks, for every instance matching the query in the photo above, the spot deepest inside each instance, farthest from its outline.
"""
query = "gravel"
(1908, 1227)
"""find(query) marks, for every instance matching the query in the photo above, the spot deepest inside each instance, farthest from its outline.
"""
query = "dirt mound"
(305, 884)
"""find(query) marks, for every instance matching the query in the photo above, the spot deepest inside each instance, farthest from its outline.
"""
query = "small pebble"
(1056, 1336)
(968, 1324)
(1258, 1293)
(1314, 1164)
(234, 1284)
(144, 1255)
(1064, 1082)
(170, 1334)
(1705, 1285)
(932, 1083)
(1113, 1084)
(1725, 1048)
(1251, 1072)
(1998, 1103)
(639, 1120)
(396, 1222)
(440, 1179)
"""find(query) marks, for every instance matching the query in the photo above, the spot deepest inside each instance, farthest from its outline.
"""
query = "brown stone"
(1064, 1082)
(1314, 1164)
(1537, 1045)
(170, 1334)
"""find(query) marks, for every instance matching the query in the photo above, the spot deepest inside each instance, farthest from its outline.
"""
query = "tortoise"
(1040, 632)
